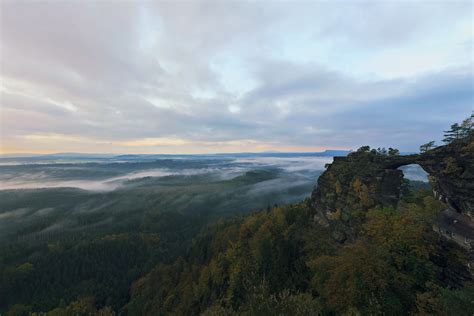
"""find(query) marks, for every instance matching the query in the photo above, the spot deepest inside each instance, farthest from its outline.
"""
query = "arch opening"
(414, 172)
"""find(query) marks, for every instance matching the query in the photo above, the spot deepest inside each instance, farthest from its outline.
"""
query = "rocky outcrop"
(451, 170)
(365, 179)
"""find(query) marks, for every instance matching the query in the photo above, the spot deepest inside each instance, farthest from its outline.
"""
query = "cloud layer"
(183, 77)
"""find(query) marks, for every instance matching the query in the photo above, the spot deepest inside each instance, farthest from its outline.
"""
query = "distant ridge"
(326, 153)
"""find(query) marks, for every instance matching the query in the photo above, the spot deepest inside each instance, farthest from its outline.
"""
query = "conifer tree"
(425, 147)
(393, 152)
(452, 134)
(467, 126)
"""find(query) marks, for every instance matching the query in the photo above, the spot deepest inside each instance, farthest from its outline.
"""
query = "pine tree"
(467, 126)
(382, 151)
(393, 152)
(459, 131)
(452, 134)
(425, 147)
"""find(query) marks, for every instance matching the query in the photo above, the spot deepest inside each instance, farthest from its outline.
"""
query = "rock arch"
(365, 179)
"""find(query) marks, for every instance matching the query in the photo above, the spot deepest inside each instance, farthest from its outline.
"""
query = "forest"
(274, 260)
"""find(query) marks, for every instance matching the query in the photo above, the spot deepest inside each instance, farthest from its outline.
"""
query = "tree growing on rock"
(363, 149)
(452, 134)
(426, 147)
(467, 126)
(393, 152)
(382, 151)
(460, 131)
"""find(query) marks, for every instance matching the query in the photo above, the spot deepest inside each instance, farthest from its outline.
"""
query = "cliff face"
(451, 170)
(365, 179)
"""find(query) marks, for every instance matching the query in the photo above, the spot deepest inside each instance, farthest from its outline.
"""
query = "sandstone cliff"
(365, 179)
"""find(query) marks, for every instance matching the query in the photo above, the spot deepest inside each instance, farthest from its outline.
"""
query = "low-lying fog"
(108, 175)
(60, 197)
(103, 176)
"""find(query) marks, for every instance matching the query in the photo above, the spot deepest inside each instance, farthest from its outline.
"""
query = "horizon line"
(12, 155)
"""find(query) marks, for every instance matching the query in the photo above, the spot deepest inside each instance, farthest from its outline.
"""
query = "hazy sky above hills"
(187, 77)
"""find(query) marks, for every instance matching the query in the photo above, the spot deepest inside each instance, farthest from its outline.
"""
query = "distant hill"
(326, 153)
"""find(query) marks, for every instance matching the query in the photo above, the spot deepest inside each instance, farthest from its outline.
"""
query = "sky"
(232, 76)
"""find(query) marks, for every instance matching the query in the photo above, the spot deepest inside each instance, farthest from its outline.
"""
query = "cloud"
(212, 76)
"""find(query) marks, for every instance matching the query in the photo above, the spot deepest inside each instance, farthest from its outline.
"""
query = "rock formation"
(366, 178)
